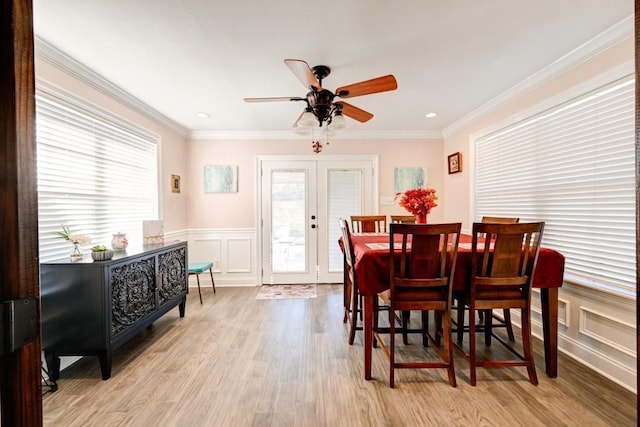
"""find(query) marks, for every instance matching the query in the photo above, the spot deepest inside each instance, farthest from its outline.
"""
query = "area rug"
(287, 292)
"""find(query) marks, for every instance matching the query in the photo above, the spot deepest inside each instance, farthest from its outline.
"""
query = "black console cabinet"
(91, 308)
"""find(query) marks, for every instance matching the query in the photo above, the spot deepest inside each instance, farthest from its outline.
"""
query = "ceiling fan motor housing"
(321, 102)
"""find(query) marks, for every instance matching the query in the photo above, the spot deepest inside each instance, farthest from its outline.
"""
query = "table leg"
(549, 304)
(368, 334)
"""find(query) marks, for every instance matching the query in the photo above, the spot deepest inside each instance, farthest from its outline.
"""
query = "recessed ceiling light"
(430, 115)
(203, 115)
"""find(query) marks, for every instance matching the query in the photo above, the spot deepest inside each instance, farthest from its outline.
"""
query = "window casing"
(572, 166)
(97, 173)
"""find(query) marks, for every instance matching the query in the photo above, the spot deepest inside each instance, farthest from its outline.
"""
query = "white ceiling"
(183, 57)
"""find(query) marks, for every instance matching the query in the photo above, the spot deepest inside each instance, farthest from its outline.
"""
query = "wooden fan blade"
(275, 99)
(303, 72)
(380, 84)
(355, 112)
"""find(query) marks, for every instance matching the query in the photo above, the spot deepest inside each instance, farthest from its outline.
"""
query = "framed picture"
(175, 183)
(455, 163)
(407, 178)
(220, 179)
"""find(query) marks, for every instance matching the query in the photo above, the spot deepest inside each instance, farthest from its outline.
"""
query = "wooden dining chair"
(352, 297)
(506, 313)
(403, 219)
(421, 278)
(503, 260)
(369, 223)
(352, 305)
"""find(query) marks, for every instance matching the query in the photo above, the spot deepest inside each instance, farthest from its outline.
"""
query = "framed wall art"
(220, 179)
(175, 183)
(406, 178)
(455, 163)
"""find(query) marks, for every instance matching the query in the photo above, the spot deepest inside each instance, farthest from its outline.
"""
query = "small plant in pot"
(101, 253)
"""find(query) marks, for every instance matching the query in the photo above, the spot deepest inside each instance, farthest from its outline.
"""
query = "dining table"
(371, 251)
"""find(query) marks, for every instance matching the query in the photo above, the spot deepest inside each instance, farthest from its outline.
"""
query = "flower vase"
(76, 255)
(119, 242)
(421, 218)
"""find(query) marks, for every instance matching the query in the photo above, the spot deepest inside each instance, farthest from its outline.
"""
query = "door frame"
(373, 158)
(20, 371)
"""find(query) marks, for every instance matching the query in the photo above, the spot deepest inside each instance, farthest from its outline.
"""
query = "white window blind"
(343, 199)
(97, 174)
(572, 166)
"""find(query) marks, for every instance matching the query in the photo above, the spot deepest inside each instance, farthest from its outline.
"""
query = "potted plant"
(101, 253)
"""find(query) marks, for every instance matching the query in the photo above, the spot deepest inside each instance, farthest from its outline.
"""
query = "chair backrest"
(500, 220)
(504, 258)
(403, 219)
(347, 244)
(423, 265)
(369, 223)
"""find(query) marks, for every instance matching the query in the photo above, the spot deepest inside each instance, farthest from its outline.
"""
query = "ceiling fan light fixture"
(307, 120)
(338, 122)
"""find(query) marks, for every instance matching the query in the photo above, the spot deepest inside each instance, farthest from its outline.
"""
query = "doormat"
(287, 292)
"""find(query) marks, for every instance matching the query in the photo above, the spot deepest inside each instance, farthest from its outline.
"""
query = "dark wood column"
(20, 371)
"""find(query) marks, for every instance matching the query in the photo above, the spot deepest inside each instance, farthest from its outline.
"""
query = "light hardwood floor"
(238, 361)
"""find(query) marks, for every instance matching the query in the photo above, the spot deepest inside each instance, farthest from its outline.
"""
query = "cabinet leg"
(53, 365)
(182, 306)
(105, 364)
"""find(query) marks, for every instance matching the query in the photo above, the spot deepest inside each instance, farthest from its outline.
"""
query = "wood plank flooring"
(238, 361)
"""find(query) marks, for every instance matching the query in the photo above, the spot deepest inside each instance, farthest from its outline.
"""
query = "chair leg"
(448, 347)
(405, 326)
(460, 321)
(508, 325)
(392, 347)
(199, 292)
(472, 346)
(527, 346)
(425, 327)
(354, 308)
(488, 325)
(438, 315)
(212, 282)
(347, 300)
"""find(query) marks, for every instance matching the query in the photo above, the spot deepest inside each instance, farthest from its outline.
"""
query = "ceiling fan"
(320, 105)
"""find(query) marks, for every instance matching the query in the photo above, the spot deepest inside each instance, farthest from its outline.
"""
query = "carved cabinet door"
(133, 289)
(173, 275)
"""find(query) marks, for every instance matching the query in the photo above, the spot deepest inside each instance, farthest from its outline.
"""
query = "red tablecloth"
(372, 264)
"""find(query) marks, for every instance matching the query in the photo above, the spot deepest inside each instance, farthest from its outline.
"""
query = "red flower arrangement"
(418, 201)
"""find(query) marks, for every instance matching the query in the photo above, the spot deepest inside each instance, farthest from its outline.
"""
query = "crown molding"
(287, 135)
(608, 38)
(54, 56)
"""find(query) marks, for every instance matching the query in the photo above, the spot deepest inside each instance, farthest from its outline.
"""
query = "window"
(97, 174)
(572, 166)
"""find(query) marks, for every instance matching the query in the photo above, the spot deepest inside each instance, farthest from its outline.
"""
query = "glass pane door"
(302, 201)
(289, 213)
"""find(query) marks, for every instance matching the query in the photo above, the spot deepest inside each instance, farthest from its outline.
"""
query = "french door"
(302, 199)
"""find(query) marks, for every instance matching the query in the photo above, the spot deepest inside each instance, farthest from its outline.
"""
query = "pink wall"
(237, 210)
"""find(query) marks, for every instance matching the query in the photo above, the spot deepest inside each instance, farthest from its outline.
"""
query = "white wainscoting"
(594, 327)
(233, 252)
